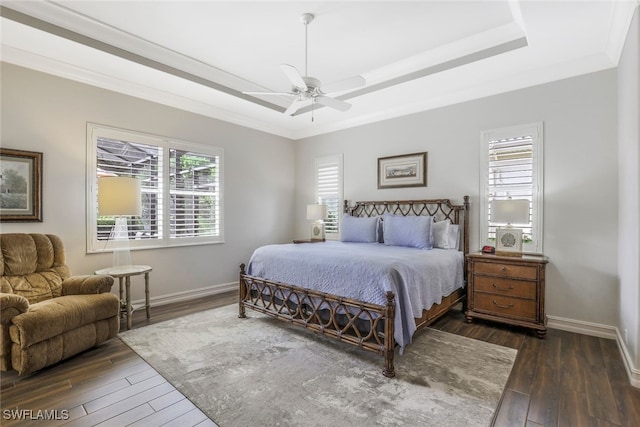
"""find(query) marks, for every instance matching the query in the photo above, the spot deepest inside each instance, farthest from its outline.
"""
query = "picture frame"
(20, 186)
(509, 241)
(405, 170)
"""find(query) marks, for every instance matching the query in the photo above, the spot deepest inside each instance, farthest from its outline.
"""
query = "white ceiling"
(415, 55)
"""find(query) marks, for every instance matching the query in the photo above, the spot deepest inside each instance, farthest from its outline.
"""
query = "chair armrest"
(82, 285)
(11, 305)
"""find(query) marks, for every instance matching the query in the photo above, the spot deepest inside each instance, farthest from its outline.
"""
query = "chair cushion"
(35, 287)
(52, 317)
(32, 265)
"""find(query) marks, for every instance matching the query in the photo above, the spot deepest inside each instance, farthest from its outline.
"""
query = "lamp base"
(317, 231)
(509, 241)
(120, 238)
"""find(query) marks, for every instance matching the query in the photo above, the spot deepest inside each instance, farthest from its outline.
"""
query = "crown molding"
(619, 25)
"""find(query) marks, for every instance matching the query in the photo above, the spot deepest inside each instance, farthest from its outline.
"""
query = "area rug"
(260, 371)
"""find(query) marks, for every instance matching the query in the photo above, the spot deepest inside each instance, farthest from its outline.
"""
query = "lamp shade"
(316, 212)
(510, 211)
(119, 196)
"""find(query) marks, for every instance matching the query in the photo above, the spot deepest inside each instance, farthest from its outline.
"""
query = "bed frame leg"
(242, 293)
(389, 341)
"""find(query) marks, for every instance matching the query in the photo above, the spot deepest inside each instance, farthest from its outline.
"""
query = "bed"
(371, 292)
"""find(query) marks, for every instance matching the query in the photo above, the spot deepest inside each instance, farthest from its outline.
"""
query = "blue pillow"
(411, 231)
(360, 230)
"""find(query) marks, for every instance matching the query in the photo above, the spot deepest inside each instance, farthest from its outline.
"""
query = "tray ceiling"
(416, 55)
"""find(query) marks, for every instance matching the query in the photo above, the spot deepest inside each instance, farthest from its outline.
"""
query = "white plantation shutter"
(143, 162)
(329, 192)
(181, 186)
(195, 196)
(511, 167)
(511, 174)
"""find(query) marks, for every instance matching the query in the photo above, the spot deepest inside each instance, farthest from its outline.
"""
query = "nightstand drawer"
(506, 270)
(505, 287)
(505, 306)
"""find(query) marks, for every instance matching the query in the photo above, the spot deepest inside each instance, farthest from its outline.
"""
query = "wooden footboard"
(355, 322)
(361, 324)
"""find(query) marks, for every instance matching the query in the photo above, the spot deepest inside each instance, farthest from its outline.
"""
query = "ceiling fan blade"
(296, 105)
(270, 93)
(346, 84)
(333, 103)
(294, 76)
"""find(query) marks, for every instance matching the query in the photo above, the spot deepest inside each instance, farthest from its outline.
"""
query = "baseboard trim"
(191, 294)
(601, 331)
(582, 327)
(632, 372)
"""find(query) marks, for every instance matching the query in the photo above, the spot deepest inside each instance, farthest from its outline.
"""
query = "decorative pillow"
(411, 231)
(454, 236)
(360, 230)
(441, 234)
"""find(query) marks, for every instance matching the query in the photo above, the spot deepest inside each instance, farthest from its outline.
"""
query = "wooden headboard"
(440, 209)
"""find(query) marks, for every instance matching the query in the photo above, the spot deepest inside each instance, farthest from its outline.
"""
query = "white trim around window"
(182, 188)
(328, 183)
(513, 184)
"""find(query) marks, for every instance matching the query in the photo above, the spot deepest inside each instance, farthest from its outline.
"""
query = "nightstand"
(507, 289)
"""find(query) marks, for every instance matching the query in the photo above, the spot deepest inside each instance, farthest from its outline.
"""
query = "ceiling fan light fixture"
(308, 90)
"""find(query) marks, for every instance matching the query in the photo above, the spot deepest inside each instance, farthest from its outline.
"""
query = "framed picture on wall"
(406, 170)
(20, 185)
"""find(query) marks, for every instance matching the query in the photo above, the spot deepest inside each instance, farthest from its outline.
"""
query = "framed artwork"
(509, 241)
(20, 185)
(407, 170)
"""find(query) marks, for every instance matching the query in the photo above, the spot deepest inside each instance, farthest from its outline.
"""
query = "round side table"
(124, 273)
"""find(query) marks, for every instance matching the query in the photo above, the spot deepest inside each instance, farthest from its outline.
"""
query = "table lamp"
(317, 213)
(119, 197)
(508, 212)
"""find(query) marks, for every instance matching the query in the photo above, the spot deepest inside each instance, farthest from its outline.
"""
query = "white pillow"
(454, 236)
(441, 234)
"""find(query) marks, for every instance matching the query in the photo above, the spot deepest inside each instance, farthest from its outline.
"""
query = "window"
(328, 184)
(181, 185)
(511, 167)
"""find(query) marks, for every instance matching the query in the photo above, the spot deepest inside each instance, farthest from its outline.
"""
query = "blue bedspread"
(366, 271)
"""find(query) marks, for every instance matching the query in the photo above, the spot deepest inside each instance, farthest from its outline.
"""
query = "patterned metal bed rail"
(362, 324)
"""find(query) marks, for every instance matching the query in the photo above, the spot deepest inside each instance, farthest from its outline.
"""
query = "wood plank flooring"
(564, 380)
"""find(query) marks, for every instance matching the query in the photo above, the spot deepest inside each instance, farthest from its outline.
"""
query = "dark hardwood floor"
(564, 380)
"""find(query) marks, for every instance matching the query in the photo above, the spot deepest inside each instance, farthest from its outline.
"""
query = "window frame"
(536, 131)
(95, 131)
(336, 159)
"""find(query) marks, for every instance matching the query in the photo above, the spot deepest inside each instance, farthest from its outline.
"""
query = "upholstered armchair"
(46, 314)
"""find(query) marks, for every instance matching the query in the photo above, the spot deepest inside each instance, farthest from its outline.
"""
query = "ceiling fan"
(308, 90)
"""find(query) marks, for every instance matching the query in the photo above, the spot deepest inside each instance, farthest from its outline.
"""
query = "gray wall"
(629, 143)
(48, 114)
(580, 177)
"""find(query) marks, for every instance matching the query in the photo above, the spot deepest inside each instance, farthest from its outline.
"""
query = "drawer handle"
(503, 269)
(502, 306)
(510, 288)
